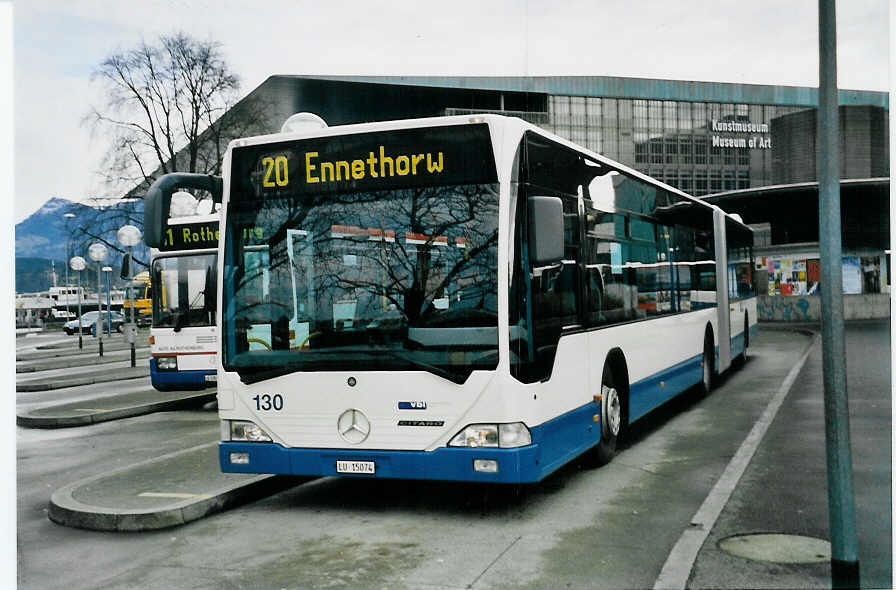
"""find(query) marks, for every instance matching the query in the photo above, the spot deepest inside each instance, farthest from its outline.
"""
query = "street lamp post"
(78, 264)
(107, 270)
(129, 236)
(67, 216)
(98, 253)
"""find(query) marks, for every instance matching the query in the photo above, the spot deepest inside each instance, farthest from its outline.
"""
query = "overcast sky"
(57, 44)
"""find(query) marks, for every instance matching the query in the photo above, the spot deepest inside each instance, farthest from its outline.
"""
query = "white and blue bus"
(458, 298)
(183, 271)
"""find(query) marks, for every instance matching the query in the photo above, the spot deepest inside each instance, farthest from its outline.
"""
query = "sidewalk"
(167, 491)
(100, 375)
(784, 488)
(113, 407)
(60, 361)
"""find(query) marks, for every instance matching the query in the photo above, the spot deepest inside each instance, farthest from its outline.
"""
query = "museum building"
(750, 148)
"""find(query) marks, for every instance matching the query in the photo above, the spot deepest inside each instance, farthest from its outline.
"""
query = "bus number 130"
(268, 402)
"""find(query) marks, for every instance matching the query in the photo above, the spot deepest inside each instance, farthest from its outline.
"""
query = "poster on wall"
(852, 275)
(813, 276)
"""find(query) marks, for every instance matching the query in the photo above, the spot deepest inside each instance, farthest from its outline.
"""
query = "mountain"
(43, 233)
(43, 238)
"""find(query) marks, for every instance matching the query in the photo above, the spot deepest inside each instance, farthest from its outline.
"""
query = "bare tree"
(169, 107)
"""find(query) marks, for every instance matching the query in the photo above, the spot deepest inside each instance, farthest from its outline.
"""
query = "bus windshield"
(402, 278)
(186, 293)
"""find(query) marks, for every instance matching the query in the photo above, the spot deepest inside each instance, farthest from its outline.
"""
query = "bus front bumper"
(519, 465)
(190, 379)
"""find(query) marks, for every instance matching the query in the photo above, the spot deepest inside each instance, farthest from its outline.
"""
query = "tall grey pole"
(80, 333)
(99, 305)
(109, 301)
(133, 328)
(841, 504)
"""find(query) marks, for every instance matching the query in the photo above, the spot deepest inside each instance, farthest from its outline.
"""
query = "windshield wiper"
(452, 376)
(251, 374)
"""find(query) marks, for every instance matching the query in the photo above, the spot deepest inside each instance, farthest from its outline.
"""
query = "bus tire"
(611, 416)
(741, 359)
(708, 363)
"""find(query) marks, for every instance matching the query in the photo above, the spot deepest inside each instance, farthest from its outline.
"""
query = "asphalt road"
(611, 527)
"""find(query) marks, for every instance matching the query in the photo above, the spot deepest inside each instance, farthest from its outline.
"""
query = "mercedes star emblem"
(353, 426)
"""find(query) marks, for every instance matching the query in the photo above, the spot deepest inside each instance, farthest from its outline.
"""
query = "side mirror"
(126, 266)
(545, 230)
(157, 202)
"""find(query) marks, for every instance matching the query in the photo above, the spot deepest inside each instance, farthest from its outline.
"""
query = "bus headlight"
(247, 431)
(167, 363)
(514, 434)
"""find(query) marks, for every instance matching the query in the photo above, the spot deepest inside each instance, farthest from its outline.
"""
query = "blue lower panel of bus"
(648, 394)
(553, 444)
(168, 380)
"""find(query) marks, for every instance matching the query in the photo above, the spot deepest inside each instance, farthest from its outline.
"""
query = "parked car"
(87, 320)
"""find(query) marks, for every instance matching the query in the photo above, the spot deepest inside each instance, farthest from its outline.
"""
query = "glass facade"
(698, 147)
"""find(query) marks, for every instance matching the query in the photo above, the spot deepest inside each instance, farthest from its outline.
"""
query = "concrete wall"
(808, 308)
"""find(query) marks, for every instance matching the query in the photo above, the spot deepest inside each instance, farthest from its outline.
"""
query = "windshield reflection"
(388, 280)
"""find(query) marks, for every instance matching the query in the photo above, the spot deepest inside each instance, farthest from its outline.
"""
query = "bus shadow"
(424, 496)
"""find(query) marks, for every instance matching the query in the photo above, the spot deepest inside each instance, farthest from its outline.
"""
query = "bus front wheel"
(610, 418)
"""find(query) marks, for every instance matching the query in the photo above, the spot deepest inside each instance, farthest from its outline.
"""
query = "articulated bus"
(458, 298)
(183, 337)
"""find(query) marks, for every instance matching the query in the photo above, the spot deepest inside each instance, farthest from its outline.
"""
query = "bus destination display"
(429, 156)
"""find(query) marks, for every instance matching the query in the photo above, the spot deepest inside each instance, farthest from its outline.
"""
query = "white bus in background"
(457, 298)
(183, 337)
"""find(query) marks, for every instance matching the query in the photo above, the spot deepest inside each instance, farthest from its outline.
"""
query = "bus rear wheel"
(707, 363)
(610, 418)
(741, 359)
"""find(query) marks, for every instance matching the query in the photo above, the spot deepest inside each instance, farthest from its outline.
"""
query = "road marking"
(677, 568)
(176, 495)
(92, 410)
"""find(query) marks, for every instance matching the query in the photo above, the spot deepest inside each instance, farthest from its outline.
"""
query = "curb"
(75, 382)
(56, 354)
(31, 421)
(66, 511)
(66, 362)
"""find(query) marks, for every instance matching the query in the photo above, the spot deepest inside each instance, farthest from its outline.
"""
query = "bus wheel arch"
(614, 406)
